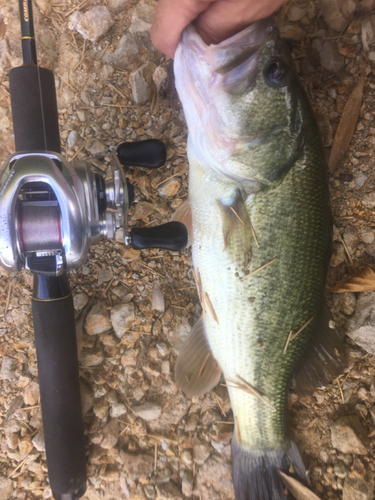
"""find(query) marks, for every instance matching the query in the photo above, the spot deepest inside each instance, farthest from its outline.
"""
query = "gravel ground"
(145, 439)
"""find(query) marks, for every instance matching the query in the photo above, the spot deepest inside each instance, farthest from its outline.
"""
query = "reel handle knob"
(150, 153)
(170, 236)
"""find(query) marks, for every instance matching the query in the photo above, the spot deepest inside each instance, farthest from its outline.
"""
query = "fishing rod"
(51, 212)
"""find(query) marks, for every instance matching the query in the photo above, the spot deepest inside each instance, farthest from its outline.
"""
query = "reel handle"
(150, 153)
(170, 236)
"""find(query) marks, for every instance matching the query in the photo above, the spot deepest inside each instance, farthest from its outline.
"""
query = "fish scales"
(254, 148)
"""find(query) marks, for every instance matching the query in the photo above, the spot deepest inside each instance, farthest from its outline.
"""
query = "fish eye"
(276, 74)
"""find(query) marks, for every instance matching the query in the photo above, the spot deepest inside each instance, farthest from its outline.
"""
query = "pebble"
(137, 465)
(104, 275)
(351, 239)
(201, 452)
(38, 441)
(169, 188)
(187, 482)
(340, 469)
(96, 148)
(120, 291)
(117, 5)
(338, 254)
(91, 357)
(158, 298)
(345, 302)
(6, 488)
(368, 237)
(122, 318)
(72, 139)
(97, 320)
(117, 409)
(147, 411)
(93, 24)
(368, 199)
(361, 328)
(31, 394)
(319, 396)
(349, 436)
(168, 491)
(357, 489)
(330, 58)
(8, 367)
(80, 300)
(111, 433)
(87, 397)
(101, 408)
(337, 13)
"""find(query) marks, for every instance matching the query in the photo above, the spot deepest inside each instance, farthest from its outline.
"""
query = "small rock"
(11, 426)
(91, 357)
(187, 482)
(160, 77)
(337, 13)
(169, 188)
(292, 32)
(158, 298)
(345, 302)
(156, 327)
(340, 469)
(147, 411)
(101, 408)
(31, 394)
(330, 58)
(87, 397)
(111, 433)
(338, 254)
(117, 5)
(179, 337)
(44, 6)
(141, 82)
(361, 327)
(96, 148)
(104, 275)
(122, 318)
(117, 409)
(6, 488)
(369, 199)
(93, 24)
(168, 491)
(120, 291)
(25, 446)
(200, 453)
(138, 466)
(8, 367)
(80, 300)
(357, 489)
(368, 237)
(72, 139)
(348, 435)
(351, 239)
(319, 396)
(38, 441)
(97, 320)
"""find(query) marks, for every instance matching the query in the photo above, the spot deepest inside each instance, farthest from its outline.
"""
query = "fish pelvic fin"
(237, 229)
(197, 371)
(183, 214)
(256, 473)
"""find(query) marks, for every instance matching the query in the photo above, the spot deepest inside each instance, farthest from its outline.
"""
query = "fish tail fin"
(256, 472)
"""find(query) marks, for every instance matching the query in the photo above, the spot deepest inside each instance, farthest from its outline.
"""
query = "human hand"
(215, 20)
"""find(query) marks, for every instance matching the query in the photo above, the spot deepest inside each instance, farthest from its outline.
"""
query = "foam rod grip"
(34, 109)
(56, 349)
(150, 153)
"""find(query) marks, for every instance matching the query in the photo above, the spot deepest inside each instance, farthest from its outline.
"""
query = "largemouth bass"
(261, 228)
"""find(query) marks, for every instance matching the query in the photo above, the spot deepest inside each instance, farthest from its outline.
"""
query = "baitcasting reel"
(52, 211)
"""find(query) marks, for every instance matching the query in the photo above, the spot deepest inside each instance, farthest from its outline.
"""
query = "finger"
(225, 18)
(171, 17)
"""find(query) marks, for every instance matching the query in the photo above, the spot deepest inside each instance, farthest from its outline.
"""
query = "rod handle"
(56, 348)
(150, 153)
(170, 236)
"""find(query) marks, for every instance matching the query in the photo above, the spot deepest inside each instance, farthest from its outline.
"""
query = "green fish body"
(261, 227)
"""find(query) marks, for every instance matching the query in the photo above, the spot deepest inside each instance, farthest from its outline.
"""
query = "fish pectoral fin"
(324, 361)
(197, 371)
(183, 214)
(237, 232)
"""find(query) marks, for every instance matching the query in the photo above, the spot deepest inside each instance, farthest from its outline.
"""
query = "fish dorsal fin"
(183, 214)
(324, 361)
(237, 231)
(197, 371)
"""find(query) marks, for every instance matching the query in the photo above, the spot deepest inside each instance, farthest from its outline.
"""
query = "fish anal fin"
(324, 361)
(183, 214)
(236, 226)
(197, 371)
